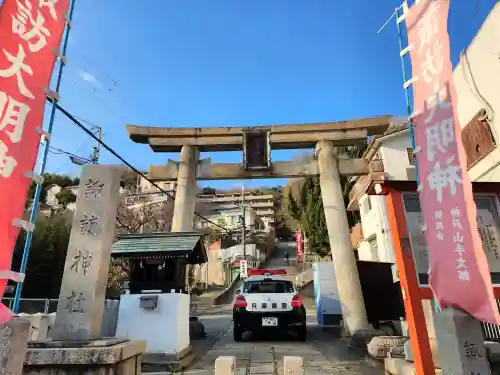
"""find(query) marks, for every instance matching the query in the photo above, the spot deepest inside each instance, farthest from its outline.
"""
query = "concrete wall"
(377, 241)
(165, 328)
(42, 324)
(395, 157)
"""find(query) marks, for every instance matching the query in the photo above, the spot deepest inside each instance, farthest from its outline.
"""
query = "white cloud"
(87, 77)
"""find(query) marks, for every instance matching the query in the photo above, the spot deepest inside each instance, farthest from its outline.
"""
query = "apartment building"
(229, 203)
(146, 187)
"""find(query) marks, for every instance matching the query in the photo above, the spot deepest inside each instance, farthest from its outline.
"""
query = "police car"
(268, 301)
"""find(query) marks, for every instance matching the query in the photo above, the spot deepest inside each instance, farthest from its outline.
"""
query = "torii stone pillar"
(185, 195)
(344, 262)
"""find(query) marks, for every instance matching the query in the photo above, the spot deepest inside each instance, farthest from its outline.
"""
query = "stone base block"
(225, 365)
(399, 366)
(461, 345)
(158, 362)
(13, 342)
(96, 357)
(293, 365)
(380, 346)
(39, 326)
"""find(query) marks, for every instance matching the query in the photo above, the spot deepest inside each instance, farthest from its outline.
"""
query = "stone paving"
(323, 353)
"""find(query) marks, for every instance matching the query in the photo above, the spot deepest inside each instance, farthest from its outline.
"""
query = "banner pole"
(39, 187)
(409, 109)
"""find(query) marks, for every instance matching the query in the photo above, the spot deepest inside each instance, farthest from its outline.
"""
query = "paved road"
(323, 353)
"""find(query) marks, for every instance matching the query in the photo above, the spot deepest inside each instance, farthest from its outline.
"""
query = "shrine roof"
(180, 245)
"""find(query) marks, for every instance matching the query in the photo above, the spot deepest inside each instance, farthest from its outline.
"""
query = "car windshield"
(268, 286)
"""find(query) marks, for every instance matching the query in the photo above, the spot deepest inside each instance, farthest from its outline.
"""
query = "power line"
(58, 151)
(114, 153)
(89, 60)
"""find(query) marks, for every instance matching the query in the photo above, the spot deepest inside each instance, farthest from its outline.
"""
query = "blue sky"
(231, 63)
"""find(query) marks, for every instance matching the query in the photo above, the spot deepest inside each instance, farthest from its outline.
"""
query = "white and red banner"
(30, 35)
(300, 246)
(458, 269)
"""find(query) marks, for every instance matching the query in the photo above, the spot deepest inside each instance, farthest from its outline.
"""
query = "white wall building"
(233, 219)
(52, 201)
(227, 203)
(477, 82)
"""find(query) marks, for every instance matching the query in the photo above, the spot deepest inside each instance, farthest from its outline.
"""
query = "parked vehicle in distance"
(268, 301)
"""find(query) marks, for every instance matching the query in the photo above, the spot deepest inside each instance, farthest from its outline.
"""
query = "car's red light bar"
(260, 272)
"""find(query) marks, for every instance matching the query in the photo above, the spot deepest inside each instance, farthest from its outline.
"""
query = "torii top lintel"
(293, 136)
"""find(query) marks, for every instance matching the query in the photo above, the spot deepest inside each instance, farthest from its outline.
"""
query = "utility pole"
(243, 227)
(97, 148)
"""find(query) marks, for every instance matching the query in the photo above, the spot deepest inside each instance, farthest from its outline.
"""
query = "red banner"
(458, 273)
(300, 246)
(30, 35)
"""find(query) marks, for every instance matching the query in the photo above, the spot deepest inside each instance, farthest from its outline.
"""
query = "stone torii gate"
(256, 144)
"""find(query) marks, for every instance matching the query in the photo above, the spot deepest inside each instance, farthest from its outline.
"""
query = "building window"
(477, 138)
(411, 157)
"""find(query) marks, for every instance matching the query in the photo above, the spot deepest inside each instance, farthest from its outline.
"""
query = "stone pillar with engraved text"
(83, 288)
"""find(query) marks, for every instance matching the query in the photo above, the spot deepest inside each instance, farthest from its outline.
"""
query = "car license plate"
(269, 322)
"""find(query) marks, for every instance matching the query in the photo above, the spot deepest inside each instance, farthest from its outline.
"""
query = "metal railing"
(34, 305)
(491, 332)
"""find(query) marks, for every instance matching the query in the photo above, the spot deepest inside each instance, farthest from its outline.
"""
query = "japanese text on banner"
(30, 33)
(458, 266)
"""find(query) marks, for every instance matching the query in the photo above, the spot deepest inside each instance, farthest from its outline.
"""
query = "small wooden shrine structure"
(157, 262)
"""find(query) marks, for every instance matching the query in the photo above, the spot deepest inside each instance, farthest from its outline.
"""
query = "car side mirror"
(238, 291)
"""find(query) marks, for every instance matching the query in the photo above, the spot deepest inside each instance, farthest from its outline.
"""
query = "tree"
(129, 180)
(308, 210)
(47, 256)
(352, 152)
(50, 179)
(143, 217)
(65, 197)
(305, 203)
(137, 214)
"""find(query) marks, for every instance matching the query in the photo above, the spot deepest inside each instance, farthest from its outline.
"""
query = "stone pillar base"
(161, 362)
(99, 357)
(460, 343)
(13, 342)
